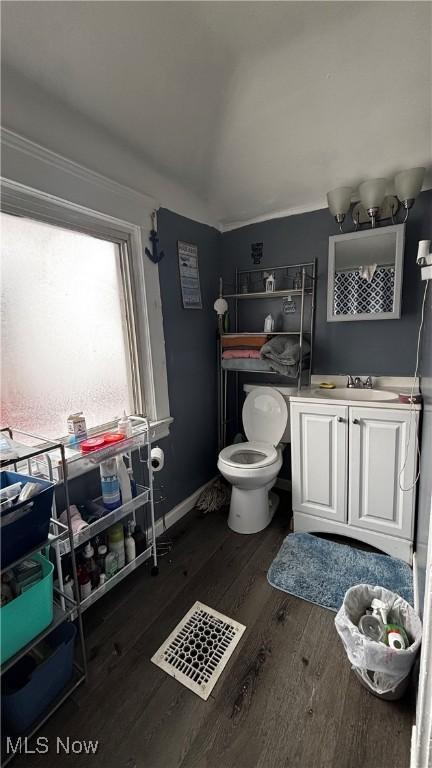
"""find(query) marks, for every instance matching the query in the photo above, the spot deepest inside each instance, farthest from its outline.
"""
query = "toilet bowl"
(252, 467)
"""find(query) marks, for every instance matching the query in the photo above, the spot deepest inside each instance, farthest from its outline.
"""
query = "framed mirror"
(365, 274)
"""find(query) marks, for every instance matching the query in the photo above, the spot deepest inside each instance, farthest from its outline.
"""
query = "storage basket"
(29, 689)
(27, 615)
(25, 525)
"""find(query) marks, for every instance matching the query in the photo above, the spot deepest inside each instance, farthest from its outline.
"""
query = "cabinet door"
(377, 446)
(319, 442)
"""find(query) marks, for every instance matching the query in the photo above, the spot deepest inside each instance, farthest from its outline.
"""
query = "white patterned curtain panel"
(353, 295)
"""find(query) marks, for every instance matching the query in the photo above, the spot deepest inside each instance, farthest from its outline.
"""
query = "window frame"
(25, 202)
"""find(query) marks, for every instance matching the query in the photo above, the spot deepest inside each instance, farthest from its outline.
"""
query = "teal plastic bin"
(30, 613)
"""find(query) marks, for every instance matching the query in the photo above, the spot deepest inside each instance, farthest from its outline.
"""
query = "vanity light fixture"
(374, 204)
(408, 185)
(339, 203)
(372, 195)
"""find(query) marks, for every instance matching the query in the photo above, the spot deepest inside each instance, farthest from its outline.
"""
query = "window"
(67, 330)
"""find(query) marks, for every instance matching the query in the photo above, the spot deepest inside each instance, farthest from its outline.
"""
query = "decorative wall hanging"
(189, 275)
(154, 255)
(257, 252)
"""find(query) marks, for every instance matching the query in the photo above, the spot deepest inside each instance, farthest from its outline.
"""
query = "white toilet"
(252, 467)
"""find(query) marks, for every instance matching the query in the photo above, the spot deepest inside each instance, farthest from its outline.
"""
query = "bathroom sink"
(339, 393)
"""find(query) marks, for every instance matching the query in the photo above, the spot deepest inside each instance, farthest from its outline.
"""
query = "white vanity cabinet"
(319, 450)
(348, 466)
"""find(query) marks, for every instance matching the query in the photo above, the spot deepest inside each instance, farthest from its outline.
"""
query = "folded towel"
(243, 341)
(235, 354)
(284, 350)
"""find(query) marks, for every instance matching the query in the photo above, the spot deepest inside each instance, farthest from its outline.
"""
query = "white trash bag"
(387, 666)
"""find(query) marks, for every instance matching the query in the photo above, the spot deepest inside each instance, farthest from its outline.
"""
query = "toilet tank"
(285, 392)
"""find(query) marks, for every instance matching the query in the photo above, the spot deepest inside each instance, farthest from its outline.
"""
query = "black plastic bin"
(30, 688)
(25, 525)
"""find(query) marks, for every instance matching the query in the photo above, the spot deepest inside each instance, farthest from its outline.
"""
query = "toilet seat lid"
(265, 415)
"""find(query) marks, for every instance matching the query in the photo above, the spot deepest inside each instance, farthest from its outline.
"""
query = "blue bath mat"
(321, 571)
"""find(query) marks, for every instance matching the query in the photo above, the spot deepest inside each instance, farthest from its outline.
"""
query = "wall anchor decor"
(257, 252)
(154, 255)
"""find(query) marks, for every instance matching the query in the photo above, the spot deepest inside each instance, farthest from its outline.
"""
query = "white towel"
(367, 272)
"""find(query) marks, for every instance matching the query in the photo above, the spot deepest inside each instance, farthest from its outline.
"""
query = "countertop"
(385, 384)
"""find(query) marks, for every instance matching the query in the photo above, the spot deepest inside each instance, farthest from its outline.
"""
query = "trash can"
(383, 670)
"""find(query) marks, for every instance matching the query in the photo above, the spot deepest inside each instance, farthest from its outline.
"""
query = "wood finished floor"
(287, 697)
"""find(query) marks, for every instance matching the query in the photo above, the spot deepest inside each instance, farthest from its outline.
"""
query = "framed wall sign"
(189, 275)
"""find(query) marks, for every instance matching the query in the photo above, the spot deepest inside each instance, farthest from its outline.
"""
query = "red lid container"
(112, 437)
(92, 444)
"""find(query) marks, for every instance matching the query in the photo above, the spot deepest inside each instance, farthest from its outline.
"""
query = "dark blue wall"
(190, 345)
(379, 347)
(376, 347)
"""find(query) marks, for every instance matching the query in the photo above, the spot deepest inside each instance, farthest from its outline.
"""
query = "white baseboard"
(283, 484)
(180, 510)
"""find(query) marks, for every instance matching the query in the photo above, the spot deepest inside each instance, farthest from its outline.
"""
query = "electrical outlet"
(426, 273)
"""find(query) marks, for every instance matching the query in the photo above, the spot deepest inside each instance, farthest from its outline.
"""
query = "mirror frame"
(399, 230)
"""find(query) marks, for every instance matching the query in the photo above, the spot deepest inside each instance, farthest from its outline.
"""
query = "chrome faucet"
(357, 383)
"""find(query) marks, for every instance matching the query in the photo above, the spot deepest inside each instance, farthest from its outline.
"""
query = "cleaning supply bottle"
(84, 584)
(110, 564)
(140, 540)
(90, 565)
(124, 480)
(124, 426)
(130, 549)
(116, 543)
(110, 484)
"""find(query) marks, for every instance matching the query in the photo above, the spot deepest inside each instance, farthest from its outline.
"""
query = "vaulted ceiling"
(252, 107)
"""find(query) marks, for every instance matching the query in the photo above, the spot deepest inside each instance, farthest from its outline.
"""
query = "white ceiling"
(253, 107)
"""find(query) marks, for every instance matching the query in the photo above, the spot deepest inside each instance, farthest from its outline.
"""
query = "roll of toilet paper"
(157, 459)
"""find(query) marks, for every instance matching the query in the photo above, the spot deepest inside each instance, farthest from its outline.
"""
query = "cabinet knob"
(356, 421)
(339, 418)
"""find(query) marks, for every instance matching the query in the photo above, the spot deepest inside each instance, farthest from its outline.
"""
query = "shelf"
(78, 677)
(59, 616)
(107, 520)
(119, 576)
(268, 294)
(251, 370)
(263, 333)
(27, 452)
(52, 538)
(107, 452)
(47, 455)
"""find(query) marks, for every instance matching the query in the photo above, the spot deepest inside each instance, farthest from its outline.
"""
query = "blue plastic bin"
(27, 615)
(25, 525)
(29, 689)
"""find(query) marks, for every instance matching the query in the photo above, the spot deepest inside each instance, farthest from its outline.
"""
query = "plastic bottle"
(101, 555)
(68, 589)
(111, 565)
(85, 584)
(130, 549)
(90, 565)
(140, 540)
(124, 426)
(124, 480)
(110, 484)
(116, 543)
